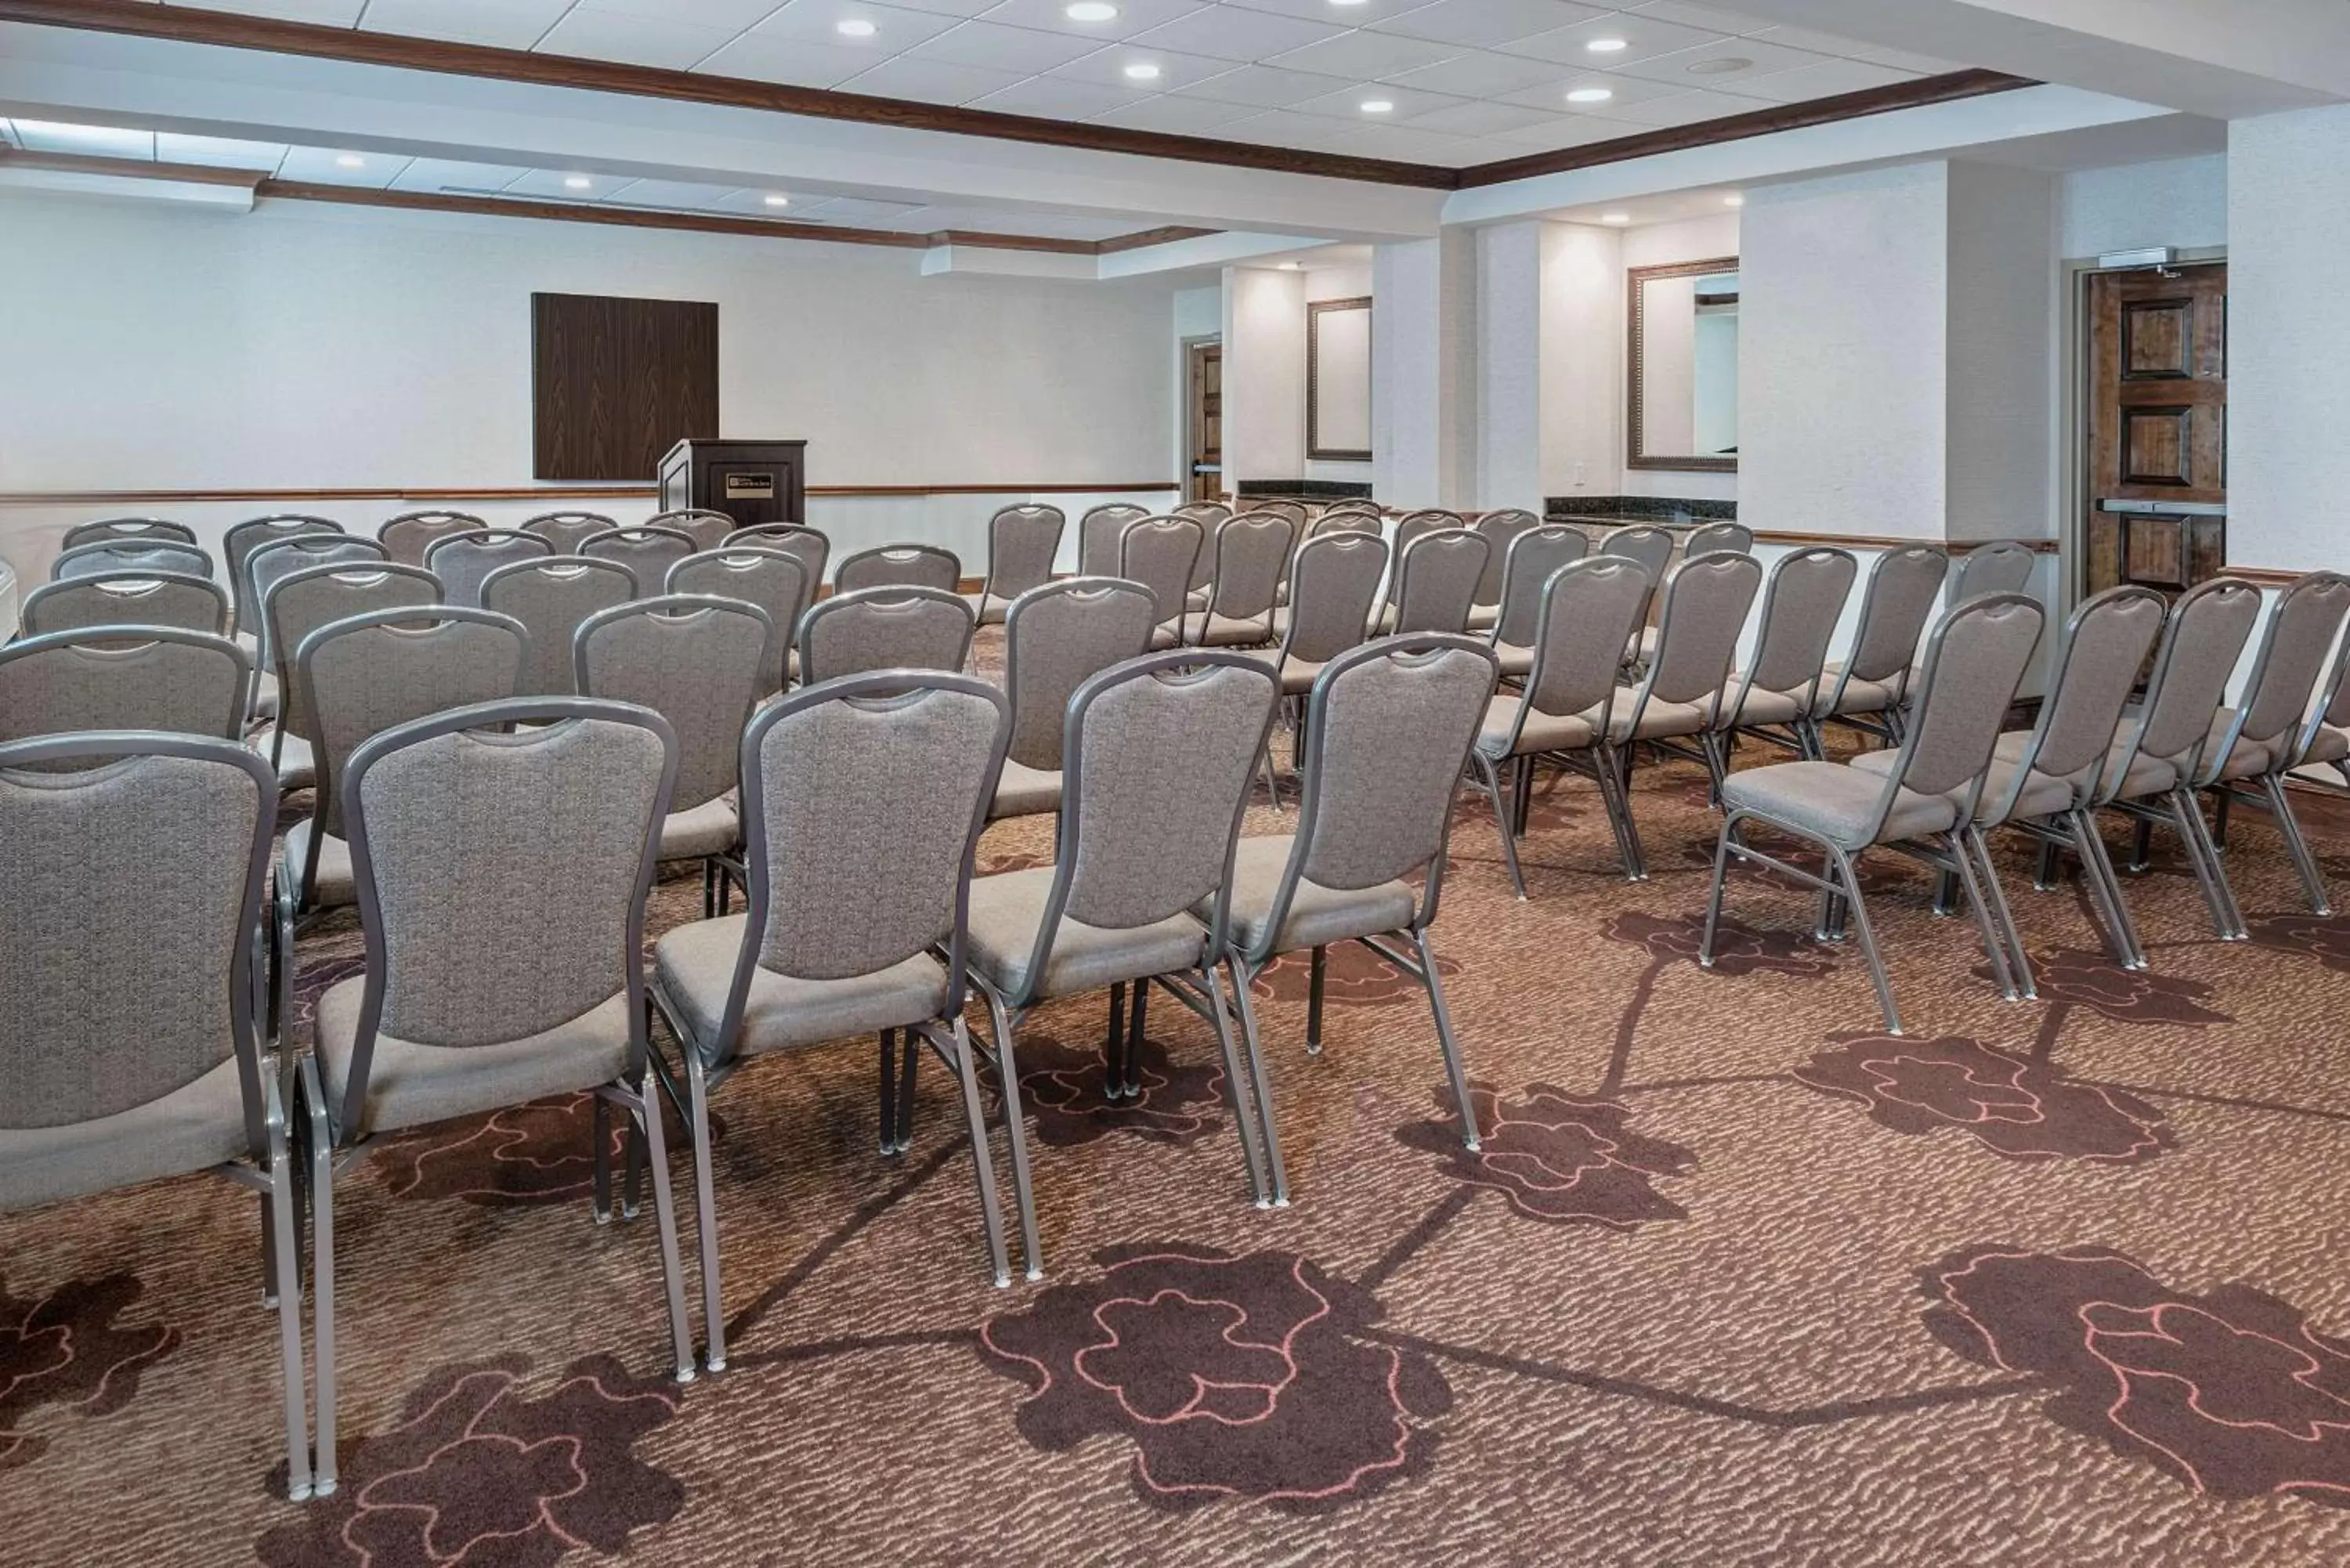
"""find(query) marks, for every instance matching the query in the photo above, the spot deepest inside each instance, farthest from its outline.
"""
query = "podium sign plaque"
(752, 481)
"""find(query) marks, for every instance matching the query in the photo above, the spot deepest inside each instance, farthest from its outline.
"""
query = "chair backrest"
(1250, 550)
(2107, 640)
(1735, 538)
(884, 628)
(107, 556)
(1157, 760)
(127, 941)
(2000, 567)
(696, 662)
(370, 672)
(1534, 556)
(1021, 542)
(863, 801)
(1437, 580)
(126, 598)
(268, 565)
(1702, 611)
(243, 538)
(898, 566)
(1097, 537)
(1347, 521)
(565, 531)
(776, 582)
(1054, 638)
(2209, 626)
(2294, 651)
(1161, 553)
(1295, 511)
(409, 535)
(446, 884)
(706, 528)
(1501, 529)
(1975, 659)
(553, 597)
(123, 677)
(1590, 609)
(812, 547)
(462, 561)
(1643, 542)
(648, 553)
(1333, 584)
(1802, 604)
(1386, 735)
(1902, 587)
(301, 603)
(126, 530)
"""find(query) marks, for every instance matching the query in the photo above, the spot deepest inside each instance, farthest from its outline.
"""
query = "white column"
(1265, 375)
(1511, 347)
(1423, 371)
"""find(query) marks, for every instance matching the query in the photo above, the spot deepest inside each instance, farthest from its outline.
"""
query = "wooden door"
(2158, 395)
(1205, 481)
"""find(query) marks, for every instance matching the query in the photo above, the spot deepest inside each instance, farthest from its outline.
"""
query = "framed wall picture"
(1338, 379)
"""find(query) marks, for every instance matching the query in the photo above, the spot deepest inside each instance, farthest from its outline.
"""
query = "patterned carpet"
(1735, 1280)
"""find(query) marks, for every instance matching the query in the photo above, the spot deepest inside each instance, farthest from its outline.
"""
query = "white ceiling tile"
(788, 60)
(1178, 115)
(1481, 74)
(1699, 67)
(503, 24)
(1133, 16)
(1055, 98)
(1486, 22)
(939, 7)
(1235, 32)
(218, 153)
(1411, 145)
(1685, 108)
(1347, 103)
(1108, 67)
(437, 174)
(1352, 16)
(1902, 59)
(1279, 129)
(1558, 132)
(930, 81)
(895, 28)
(1264, 87)
(1714, 19)
(1479, 119)
(325, 166)
(734, 16)
(999, 221)
(1365, 54)
(998, 48)
(1645, 38)
(669, 195)
(861, 210)
(1825, 79)
(324, 13)
(554, 186)
(90, 141)
(1625, 90)
(638, 40)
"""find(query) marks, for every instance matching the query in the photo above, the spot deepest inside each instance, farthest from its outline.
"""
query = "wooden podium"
(752, 482)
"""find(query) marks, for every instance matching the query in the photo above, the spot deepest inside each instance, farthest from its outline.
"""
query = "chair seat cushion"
(1517, 662)
(2328, 745)
(1231, 631)
(1543, 732)
(1298, 675)
(1859, 696)
(2042, 796)
(264, 687)
(986, 608)
(1658, 719)
(336, 885)
(2147, 776)
(710, 829)
(1763, 707)
(1318, 917)
(1024, 791)
(2251, 758)
(694, 965)
(193, 1127)
(1165, 637)
(297, 766)
(409, 1084)
(1831, 801)
(1484, 617)
(1005, 912)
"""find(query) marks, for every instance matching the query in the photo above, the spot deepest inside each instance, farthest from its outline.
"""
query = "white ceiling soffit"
(130, 187)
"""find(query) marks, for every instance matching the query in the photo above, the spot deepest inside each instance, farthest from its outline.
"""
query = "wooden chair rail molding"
(190, 24)
(536, 493)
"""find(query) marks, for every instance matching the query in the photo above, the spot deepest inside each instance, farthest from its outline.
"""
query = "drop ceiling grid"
(1466, 81)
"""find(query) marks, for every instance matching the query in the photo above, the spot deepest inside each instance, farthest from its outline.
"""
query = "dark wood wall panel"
(615, 383)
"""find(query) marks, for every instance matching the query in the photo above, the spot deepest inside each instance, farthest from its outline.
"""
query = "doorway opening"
(1203, 420)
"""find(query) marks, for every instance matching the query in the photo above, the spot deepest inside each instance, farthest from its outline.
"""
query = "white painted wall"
(2003, 366)
(2180, 201)
(1424, 371)
(1583, 361)
(1264, 374)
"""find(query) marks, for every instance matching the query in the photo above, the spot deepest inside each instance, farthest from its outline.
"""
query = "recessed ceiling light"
(1608, 46)
(1346, 2)
(1289, 266)
(854, 28)
(1142, 71)
(349, 160)
(1590, 95)
(1378, 106)
(1733, 200)
(1615, 217)
(577, 183)
(1720, 66)
(776, 201)
(1090, 11)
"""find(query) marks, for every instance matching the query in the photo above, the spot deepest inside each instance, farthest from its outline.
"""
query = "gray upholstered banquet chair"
(298, 604)
(503, 966)
(409, 535)
(1021, 542)
(1534, 554)
(864, 799)
(553, 597)
(1210, 515)
(106, 556)
(1409, 530)
(126, 530)
(1501, 529)
(1057, 638)
(649, 553)
(778, 583)
(1334, 583)
(809, 546)
(123, 677)
(1098, 532)
(2255, 744)
(1435, 584)
(2043, 781)
(706, 528)
(1777, 696)
(1709, 537)
(464, 561)
(1293, 513)
(265, 564)
(126, 598)
(1585, 612)
(1346, 520)
(884, 628)
(132, 1051)
(1158, 753)
(243, 538)
(1869, 688)
(1391, 724)
(2000, 567)
(1920, 804)
(565, 531)
(1245, 582)
(898, 566)
(1160, 553)
(698, 664)
(2324, 739)
(1653, 547)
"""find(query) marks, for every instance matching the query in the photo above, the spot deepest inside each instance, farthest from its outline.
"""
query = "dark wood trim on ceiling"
(81, 163)
(229, 30)
(533, 493)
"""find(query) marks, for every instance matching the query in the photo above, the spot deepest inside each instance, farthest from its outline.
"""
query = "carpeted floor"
(1735, 1280)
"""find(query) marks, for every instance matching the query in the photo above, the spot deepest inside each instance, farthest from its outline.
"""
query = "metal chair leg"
(644, 1109)
(1613, 771)
(1994, 937)
(1503, 812)
(2188, 818)
(1444, 1038)
(2019, 961)
(2047, 868)
(322, 1276)
(1113, 1046)
(1315, 972)
(713, 1322)
(2142, 847)
(1860, 907)
(888, 1098)
(1713, 897)
(2105, 890)
(1252, 1042)
(1272, 778)
(1243, 1094)
(909, 1058)
(600, 1134)
(286, 1285)
(1007, 1074)
(1131, 1088)
(2313, 880)
(991, 1212)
